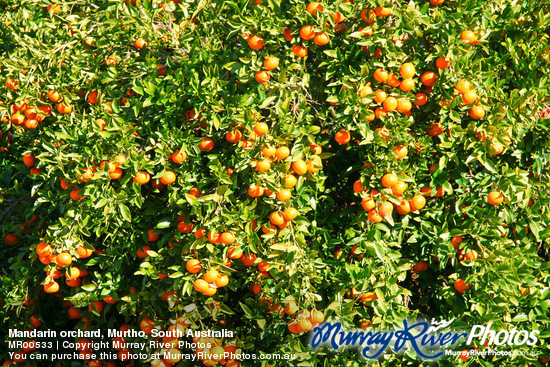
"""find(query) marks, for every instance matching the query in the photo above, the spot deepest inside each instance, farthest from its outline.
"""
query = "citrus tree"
(263, 166)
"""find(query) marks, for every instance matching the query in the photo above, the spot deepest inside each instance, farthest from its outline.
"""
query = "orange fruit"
(290, 213)
(248, 260)
(54, 95)
(64, 259)
(313, 7)
(168, 178)
(233, 136)
(420, 266)
(368, 15)
(392, 80)
(152, 236)
(206, 144)
(29, 160)
(299, 51)
(211, 275)
(307, 32)
(178, 156)
(43, 249)
(291, 308)
(261, 128)
(299, 167)
(403, 208)
(421, 99)
(51, 287)
(495, 198)
(380, 75)
(282, 153)
(401, 151)
(263, 165)
(389, 180)
(277, 218)
(227, 238)
(407, 85)
(321, 39)
(404, 105)
(142, 177)
(460, 286)
(284, 195)
(469, 97)
(342, 137)
(380, 96)
(368, 297)
(268, 151)
(435, 129)
(399, 188)
(368, 203)
(417, 202)
(142, 252)
(222, 281)
(442, 63)
(390, 104)
(140, 43)
(185, 227)
(468, 37)
(407, 70)
(428, 78)
(290, 181)
(235, 252)
(262, 76)
(255, 42)
(271, 63)
(96, 306)
(358, 187)
(255, 191)
(463, 86)
(382, 12)
(195, 192)
(470, 256)
(84, 252)
(374, 216)
(385, 208)
(477, 112)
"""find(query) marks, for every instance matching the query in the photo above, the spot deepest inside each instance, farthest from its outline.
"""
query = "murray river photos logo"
(424, 338)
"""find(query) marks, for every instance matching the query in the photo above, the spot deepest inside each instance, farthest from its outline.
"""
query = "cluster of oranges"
(303, 321)
(393, 185)
(211, 281)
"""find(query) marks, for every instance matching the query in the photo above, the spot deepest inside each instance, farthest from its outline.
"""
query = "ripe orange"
(403, 208)
(420, 266)
(380, 75)
(75, 195)
(195, 192)
(31, 113)
(374, 216)
(290, 181)
(342, 137)
(307, 32)
(435, 129)
(184, 227)
(417, 202)
(142, 252)
(299, 167)
(407, 70)
(385, 208)
(407, 85)
(477, 112)
(290, 213)
(421, 99)
(51, 287)
(142, 177)
(43, 249)
(18, 119)
(382, 12)
(299, 51)
(401, 151)
(428, 78)
(233, 136)
(284, 195)
(54, 95)
(261, 128)
(268, 151)
(256, 42)
(442, 63)
(140, 43)
(380, 96)
(468, 37)
(64, 259)
(291, 308)
(313, 7)
(371, 15)
(234, 252)
(321, 39)
(263, 165)
(84, 252)
(495, 198)
(282, 153)
(211, 275)
(271, 63)
(168, 178)
(277, 218)
(470, 256)
(29, 160)
(390, 104)
(64, 109)
(404, 105)
(227, 238)
(460, 287)
(463, 86)
(152, 236)
(368, 203)
(399, 188)
(262, 76)
(255, 191)
(146, 325)
(368, 297)
(469, 97)
(178, 156)
(389, 180)
(248, 260)
(92, 97)
(206, 144)
(96, 306)
(222, 281)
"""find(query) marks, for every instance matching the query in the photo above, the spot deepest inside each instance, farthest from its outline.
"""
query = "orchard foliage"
(259, 166)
